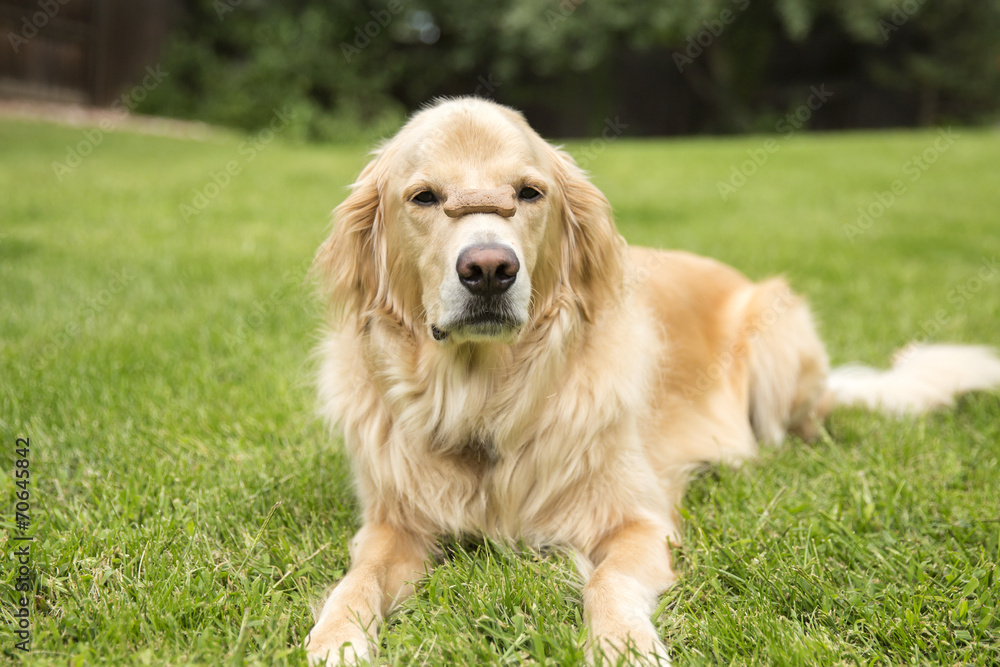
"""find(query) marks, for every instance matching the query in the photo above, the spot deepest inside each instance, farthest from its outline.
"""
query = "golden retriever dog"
(503, 365)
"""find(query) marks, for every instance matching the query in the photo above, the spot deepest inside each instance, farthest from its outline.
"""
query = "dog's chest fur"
(481, 441)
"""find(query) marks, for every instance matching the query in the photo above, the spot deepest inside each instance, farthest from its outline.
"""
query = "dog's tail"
(923, 377)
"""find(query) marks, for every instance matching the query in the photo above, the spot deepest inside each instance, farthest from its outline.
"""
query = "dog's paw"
(627, 651)
(338, 646)
(632, 642)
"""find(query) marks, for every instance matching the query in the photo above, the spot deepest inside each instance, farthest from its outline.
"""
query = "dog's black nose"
(487, 270)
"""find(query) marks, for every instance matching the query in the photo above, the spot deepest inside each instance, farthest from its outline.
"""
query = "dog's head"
(467, 226)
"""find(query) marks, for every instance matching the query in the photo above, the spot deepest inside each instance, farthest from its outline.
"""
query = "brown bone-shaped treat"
(498, 200)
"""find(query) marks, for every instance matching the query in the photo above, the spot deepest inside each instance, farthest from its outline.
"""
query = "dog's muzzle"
(489, 309)
(478, 302)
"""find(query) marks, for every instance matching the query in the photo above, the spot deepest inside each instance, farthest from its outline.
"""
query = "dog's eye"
(529, 193)
(424, 198)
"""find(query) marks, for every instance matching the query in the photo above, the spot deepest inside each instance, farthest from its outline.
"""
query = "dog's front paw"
(343, 644)
(633, 638)
(627, 650)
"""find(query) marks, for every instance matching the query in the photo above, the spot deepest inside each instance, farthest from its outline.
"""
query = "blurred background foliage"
(351, 70)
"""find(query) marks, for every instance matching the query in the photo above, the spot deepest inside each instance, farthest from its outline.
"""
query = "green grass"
(187, 505)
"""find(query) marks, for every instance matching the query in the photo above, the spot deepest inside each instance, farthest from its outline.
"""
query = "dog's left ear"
(593, 253)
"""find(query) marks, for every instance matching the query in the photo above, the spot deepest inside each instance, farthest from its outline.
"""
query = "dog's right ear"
(350, 264)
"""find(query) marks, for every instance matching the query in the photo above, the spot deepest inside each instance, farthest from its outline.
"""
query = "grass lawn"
(187, 505)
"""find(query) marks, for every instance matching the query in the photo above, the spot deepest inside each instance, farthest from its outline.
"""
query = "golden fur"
(575, 426)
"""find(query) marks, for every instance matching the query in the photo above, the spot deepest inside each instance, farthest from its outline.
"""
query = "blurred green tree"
(346, 67)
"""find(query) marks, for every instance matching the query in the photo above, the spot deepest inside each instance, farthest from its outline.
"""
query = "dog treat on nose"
(498, 200)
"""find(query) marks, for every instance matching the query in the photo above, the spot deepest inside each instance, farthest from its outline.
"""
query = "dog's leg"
(788, 364)
(633, 568)
(385, 562)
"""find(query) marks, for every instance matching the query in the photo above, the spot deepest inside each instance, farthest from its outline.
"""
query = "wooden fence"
(81, 51)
